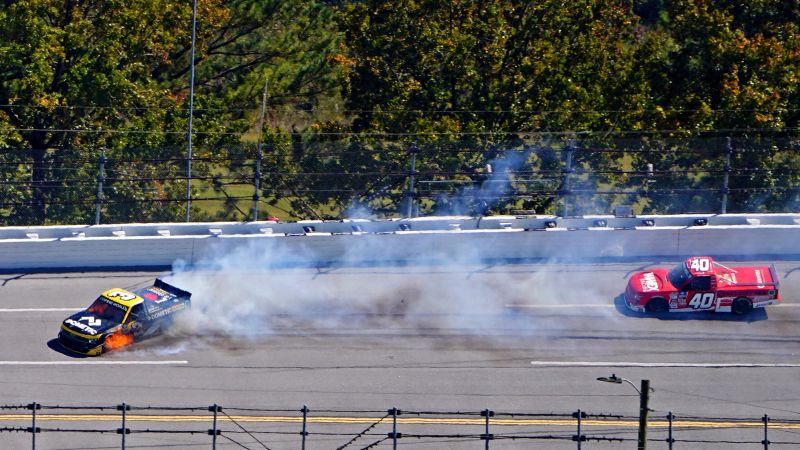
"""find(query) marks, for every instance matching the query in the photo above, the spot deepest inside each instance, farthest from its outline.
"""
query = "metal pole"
(213, 431)
(567, 181)
(191, 114)
(413, 150)
(486, 436)
(124, 430)
(257, 174)
(579, 430)
(394, 428)
(670, 439)
(34, 406)
(304, 433)
(766, 427)
(725, 177)
(101, 177)
(644, 398)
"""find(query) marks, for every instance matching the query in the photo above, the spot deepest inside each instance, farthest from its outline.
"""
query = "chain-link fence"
(309, 177)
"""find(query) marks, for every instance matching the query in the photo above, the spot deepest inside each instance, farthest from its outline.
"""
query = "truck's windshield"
(679, 275)
(102, 309)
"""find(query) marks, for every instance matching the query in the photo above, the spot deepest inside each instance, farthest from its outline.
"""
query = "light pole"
(191, 114)
(644, 398)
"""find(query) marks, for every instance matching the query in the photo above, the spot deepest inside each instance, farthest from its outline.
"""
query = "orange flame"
(118, 340)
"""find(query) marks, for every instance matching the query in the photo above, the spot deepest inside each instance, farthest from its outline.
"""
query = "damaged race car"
(702, 284)
(119, 317)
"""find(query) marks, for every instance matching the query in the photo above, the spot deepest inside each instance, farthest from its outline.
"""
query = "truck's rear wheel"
(741, 306)
(657, 305)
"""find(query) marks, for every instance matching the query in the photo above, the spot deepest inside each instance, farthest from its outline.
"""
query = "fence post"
(257, 175)
(726, 176)
(214, 432)
(670, 440)
(579, 437)
(304, 433)
(257, 182)
(33, 407)
(413, 150)
(394, 434)
(765, 419)
(486, 436)
(124, 430)
(101, 177)
(567, 181)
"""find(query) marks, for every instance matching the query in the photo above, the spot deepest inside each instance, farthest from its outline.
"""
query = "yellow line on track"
(401, 420)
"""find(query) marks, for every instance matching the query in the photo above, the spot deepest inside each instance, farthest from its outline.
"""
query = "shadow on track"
(756, 315)
(55, 346)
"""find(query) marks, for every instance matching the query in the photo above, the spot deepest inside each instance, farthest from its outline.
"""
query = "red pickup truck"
(701, 284)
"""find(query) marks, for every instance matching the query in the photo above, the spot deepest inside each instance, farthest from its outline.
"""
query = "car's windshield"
(679, 275)
(102, 309)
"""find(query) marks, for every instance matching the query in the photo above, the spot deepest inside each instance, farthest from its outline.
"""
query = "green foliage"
(517, 102)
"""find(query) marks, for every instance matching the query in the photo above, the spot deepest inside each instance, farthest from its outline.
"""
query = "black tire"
(656, 305)
(741, 306)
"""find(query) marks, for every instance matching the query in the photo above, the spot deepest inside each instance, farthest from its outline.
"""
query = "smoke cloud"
(244, 292)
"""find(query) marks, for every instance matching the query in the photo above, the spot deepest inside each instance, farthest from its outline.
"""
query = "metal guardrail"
(257, 426)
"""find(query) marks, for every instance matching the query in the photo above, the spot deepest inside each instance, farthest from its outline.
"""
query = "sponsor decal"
(167, 311)
(91, 321)
(729, 278)
(83, 327)
(649, 282)
(114, 304)
(759, 279)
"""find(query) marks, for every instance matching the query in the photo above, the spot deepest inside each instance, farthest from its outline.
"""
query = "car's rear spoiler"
(171, 289)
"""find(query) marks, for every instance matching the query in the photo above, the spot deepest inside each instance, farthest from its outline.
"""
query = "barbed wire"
(533, 132)
(614, 430)
(412, 111)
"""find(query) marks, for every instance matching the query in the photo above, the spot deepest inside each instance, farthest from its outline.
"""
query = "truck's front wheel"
(741, 306)
(657, 305)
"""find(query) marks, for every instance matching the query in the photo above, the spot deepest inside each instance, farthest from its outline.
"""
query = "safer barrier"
(341, 429)
(362, 241)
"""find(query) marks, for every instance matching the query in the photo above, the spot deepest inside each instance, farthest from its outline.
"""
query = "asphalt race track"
(353, 342)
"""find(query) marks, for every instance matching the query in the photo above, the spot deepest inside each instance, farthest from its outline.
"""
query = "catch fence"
(317, 179)
(129, 425)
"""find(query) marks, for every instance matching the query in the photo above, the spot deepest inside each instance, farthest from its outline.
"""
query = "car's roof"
(114, 296)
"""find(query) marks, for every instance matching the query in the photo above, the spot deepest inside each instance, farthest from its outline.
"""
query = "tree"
(78, 77)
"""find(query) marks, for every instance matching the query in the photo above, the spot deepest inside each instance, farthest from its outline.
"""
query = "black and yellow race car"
(119, 317)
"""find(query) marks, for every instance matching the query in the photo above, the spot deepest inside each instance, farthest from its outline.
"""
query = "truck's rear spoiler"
(774, 276)
(171, 289)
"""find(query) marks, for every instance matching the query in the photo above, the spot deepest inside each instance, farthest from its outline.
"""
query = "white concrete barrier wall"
(411, 240)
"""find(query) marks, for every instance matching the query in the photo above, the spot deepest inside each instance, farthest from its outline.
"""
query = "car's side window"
(701, 284)
(136, 312)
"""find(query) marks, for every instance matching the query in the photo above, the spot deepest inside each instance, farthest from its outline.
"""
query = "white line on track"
(13, 310)
(92, 362)
(599, 305)
(530, 306)
(643, 364)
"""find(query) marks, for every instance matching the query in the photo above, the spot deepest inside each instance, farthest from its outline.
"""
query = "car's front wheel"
(741, 306)
(657, 305)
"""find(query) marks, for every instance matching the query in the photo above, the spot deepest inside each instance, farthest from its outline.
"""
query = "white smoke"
(245, 292)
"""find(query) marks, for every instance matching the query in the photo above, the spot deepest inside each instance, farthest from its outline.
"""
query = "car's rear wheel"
(657, 305)
(741, 306)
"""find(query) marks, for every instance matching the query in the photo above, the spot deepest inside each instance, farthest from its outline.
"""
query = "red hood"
(650, 281)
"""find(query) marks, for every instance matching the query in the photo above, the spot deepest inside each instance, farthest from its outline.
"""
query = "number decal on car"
(122, 295)
(700, 264)
(702, 301)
